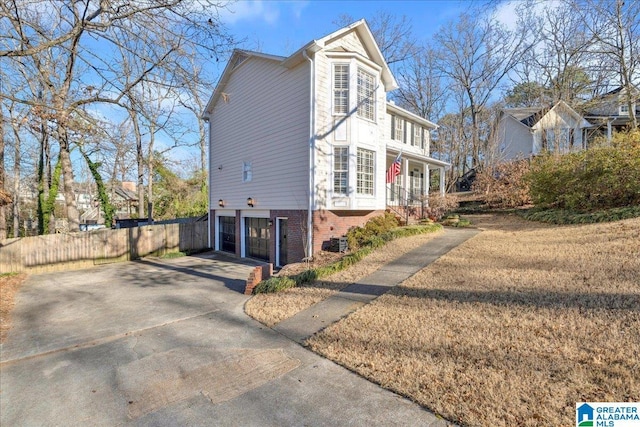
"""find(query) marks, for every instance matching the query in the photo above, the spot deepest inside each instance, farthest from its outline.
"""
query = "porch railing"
(404, 203)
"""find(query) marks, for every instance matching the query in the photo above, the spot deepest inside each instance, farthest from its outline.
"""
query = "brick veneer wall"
(328, 224)
(296, 233)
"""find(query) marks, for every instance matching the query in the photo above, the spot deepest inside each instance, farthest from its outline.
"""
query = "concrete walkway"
(319, 316)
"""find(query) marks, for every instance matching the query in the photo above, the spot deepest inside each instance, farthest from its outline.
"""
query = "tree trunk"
(139, 161)
(73, 216)
(16, 184)
(3, 219)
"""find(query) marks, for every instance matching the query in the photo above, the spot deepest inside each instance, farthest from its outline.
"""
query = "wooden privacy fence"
(84, 249)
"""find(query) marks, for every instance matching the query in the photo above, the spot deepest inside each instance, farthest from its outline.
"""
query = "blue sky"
(281, 27)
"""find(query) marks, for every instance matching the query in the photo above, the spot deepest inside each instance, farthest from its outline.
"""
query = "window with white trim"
(399, 129)
(365, 171)
(624, 109)
(366, 95)
(340, 88)
(417, 136)
(340, 170)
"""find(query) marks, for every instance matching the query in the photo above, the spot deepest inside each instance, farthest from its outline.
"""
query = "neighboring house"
(524, 132)
(300, 145)
(610, 112)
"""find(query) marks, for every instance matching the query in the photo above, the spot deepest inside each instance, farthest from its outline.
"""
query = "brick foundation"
(328, 224)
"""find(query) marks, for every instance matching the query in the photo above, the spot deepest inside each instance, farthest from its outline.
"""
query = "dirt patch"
(511, 328)
(9, 285)
(271, 309)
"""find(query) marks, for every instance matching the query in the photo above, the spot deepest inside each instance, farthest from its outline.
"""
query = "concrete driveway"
(166, 343)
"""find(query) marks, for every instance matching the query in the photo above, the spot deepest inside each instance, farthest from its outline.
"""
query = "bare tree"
(393, 34)
(476, 54)
(615, 25)
(421, 84)
(65, 47)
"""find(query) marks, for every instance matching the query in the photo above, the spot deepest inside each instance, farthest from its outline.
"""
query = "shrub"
(563, 216)
(439, 205)
(369, 234)
(598, 178)
(274, 284)
(503, 186)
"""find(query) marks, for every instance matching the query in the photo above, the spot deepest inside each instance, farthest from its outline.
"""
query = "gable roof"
(531, 116)
(360, 27)
(527, 116)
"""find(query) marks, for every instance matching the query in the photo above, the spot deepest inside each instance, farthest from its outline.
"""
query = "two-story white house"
(300, 145)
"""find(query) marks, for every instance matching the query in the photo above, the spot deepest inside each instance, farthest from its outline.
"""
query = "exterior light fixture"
(270, 222)
(221, 203)
(250, 201)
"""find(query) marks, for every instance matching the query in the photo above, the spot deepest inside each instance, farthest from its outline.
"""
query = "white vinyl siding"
(365, 172)
(340, 170)
(366, 95)
(264, 121)
(340, 88)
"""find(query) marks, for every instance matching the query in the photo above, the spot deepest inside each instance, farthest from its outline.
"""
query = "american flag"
(394, 169)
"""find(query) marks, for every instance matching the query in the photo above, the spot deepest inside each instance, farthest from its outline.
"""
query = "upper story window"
(247, 172)
(418, 139)
(365, 172)
(340, 88)
(398, 129)
(340, 170)
(366, 95)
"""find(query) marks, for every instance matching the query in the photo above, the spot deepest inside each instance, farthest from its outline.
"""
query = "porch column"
(426, 183)
(405, 174)
(608, 130)
(442, 181)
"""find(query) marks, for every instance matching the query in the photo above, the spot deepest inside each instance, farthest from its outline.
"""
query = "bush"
(369, 234)
(503, 186)
(563, 216)
(275, 284)
(598, 178)
(439, 205)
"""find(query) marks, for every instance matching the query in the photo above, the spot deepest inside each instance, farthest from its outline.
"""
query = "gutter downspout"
(209, 219)
(312, 149)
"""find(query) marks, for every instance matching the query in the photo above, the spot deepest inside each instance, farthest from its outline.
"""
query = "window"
(624, 110)
(417, 136)
(340, 89)
(365, 171)
(340, 170)
(366, 95)
(247, 172)
(399, 129)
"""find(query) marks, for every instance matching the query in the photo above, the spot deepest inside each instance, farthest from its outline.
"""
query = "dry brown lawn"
(512, 328)
(9, 286)
(274, 308)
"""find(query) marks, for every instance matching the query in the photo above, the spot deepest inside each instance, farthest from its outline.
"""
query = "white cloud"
(251, 10)
(506, 12)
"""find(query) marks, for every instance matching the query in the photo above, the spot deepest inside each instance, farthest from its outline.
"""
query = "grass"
(9, 285)
(511, 328)
(272, 308)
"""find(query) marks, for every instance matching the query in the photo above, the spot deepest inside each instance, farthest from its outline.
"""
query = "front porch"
(408, 195)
